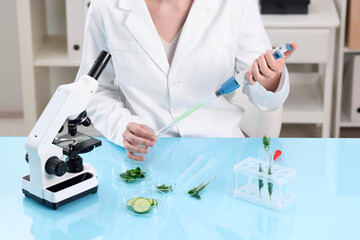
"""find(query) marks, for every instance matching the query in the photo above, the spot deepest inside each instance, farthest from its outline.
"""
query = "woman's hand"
(267, 71)
(135, 137)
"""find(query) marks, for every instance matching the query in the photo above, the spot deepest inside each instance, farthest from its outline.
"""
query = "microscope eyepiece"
(86, 122)
(99, 65)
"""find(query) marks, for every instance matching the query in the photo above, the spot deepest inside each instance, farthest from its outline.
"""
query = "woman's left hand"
(267, 71)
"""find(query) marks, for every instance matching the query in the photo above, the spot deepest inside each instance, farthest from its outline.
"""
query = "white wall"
(10, 84)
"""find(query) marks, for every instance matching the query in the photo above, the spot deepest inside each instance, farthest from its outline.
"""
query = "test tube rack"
(280, 177)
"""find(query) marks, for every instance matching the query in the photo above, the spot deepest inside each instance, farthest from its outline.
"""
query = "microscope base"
(67, 188)
(55, 206)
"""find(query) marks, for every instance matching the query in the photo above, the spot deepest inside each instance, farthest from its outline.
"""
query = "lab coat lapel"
(141, 26)
(194, 27)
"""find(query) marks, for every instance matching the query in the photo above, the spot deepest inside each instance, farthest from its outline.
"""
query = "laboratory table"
(326, 187)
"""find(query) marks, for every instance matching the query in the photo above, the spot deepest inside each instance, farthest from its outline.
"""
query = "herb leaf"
(164, 188)
(261, 185)
(132, 174)
(195, 192)
(261, 182)
(270, 188)
(266, 143)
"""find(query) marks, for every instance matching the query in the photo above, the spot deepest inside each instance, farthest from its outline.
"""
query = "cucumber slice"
(154, 202)
(131, 201)
(142, 205)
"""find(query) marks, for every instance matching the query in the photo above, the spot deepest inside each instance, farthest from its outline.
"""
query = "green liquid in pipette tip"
(193, 109)
(187, 113)
(190, 111)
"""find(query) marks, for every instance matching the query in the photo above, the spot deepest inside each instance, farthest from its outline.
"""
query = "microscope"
(53, 181)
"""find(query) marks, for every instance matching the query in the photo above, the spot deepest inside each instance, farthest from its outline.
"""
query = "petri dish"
(164, 187)
(122, 168)
(155, 202)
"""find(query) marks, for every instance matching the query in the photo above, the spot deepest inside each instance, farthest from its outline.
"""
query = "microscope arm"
(68, 100)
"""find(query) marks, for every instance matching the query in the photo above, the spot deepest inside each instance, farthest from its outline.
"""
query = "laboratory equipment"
(199, 188)
(53, 181)
(198, 160)
(284, 6)
(122, 168)
(227, 87)
(158, 197)
(207, 166)
(158, 185)
(280, 196)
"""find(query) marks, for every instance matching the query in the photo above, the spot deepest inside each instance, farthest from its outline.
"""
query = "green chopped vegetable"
(141, 205)
(132, 174)
(131, 201)
(164, 188)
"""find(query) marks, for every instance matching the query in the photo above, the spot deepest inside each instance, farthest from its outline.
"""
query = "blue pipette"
(234, 82)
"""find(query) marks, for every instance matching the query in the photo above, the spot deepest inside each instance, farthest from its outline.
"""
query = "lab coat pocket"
(127, 56)
(125, 46)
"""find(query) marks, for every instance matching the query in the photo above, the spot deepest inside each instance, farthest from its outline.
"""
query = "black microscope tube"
(99, 65)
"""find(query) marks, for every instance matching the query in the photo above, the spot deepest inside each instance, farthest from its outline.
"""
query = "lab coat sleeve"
(106, 108)
(251, 43)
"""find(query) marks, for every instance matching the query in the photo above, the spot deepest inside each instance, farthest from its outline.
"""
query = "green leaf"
(270, 189)
(197, 196)
(192, 191)
(165, 188)
(195, 192)
(132, 174)
(261, 185)
(266, 143)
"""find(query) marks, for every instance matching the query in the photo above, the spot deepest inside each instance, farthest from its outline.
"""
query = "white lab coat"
(219, 38)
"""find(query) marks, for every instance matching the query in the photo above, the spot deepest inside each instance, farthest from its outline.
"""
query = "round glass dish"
(145, 202)
(164, 187)
(122, 168)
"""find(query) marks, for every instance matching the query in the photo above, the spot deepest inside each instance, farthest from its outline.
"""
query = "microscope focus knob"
(55, 166)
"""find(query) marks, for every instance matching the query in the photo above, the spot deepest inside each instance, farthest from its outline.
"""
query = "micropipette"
(208, 165)
(227, 87)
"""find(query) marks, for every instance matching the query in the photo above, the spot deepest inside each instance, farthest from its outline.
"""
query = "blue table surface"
(326, 187)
